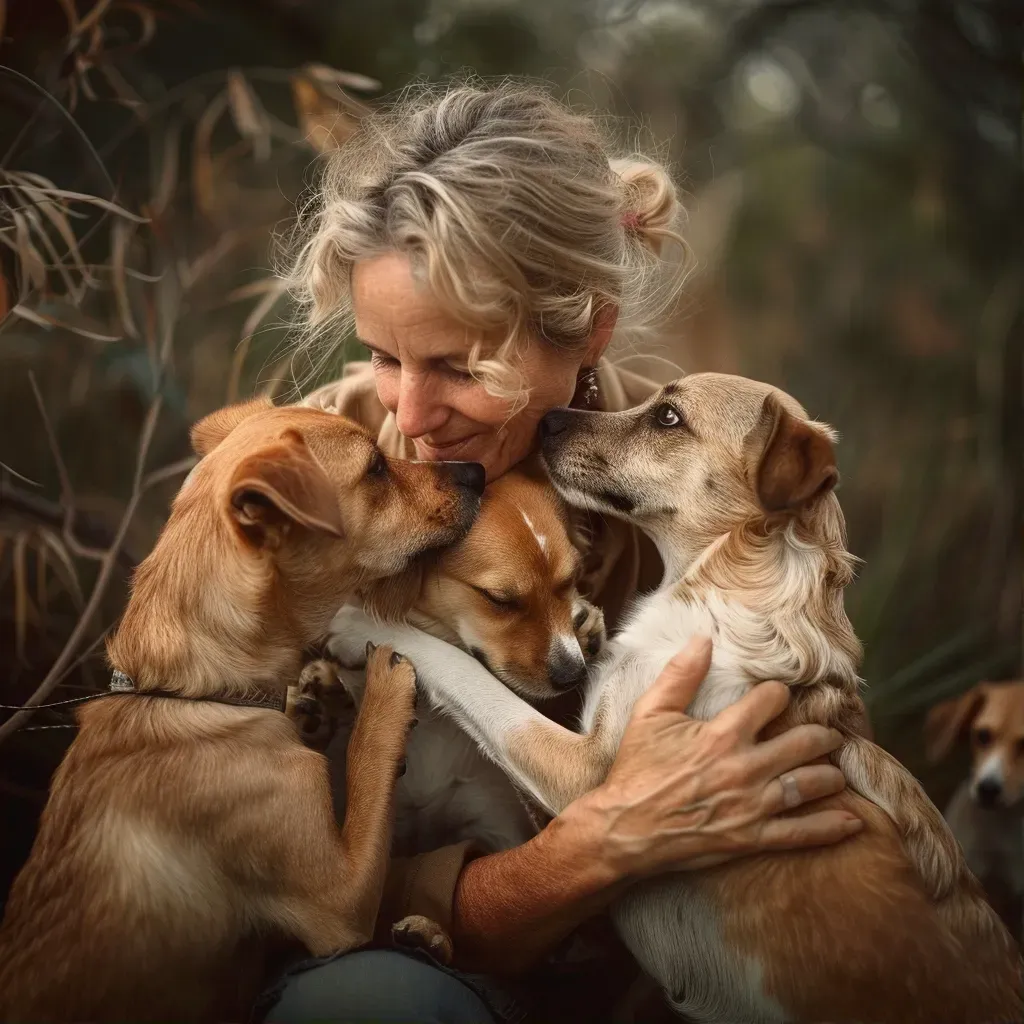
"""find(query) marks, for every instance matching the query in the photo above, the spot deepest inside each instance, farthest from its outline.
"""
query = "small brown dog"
(986, 813)
(183, 837)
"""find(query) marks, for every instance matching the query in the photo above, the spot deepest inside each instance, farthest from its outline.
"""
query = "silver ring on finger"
(790, 791)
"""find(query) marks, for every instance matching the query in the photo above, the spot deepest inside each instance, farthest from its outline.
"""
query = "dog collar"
(121, 684)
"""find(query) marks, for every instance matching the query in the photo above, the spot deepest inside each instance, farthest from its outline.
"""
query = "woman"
(487, 250)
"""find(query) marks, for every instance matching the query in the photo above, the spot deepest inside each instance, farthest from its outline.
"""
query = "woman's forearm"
(512, 908)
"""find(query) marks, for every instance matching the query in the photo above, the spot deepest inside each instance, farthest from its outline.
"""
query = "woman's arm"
(682, 794)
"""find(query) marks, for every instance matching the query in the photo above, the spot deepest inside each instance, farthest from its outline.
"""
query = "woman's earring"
(586, 387)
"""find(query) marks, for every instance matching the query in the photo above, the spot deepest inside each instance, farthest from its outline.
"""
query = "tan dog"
(986, 813)
(506, 594)
(184, 836)
(735, 485)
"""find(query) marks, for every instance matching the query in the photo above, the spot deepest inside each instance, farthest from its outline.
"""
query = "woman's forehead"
(394, 310)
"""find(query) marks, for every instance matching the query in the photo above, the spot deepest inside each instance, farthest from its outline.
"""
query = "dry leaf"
(347, 79)
(204, 191)
(30, 262)
(324, 124)
(119, 246)
(70, 319)
(273, 288)
(65, 566)
(248, 114)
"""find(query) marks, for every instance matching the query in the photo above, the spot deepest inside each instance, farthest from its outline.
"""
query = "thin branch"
(67, 493)
(99, 589)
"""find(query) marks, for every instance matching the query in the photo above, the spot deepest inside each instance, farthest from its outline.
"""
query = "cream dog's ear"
(792, 460)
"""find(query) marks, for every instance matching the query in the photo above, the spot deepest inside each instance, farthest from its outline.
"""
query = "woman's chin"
(487, 449)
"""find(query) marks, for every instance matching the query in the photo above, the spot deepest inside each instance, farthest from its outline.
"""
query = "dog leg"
(345, 869)
(553, 765)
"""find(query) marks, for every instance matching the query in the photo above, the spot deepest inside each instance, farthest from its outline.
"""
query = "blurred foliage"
(853, 172)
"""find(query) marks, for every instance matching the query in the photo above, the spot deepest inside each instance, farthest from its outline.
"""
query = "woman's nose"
(419, 410)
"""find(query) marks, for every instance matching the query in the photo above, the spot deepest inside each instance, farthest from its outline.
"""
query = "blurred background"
(853, 175)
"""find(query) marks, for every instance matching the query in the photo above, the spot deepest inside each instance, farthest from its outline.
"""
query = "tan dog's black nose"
(470, 475)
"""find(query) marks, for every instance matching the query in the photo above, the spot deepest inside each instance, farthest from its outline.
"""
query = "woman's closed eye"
(382, 361)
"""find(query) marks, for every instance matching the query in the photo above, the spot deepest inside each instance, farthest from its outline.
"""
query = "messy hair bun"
(513, 212)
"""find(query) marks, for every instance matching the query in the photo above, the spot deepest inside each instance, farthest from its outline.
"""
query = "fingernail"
(852, 824)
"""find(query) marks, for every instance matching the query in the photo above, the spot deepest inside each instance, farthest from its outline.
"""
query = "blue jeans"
(375, 987)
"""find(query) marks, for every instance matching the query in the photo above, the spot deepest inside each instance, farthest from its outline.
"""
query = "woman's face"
(419, 356)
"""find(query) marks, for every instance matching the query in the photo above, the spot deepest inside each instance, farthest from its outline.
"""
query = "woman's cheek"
(387, 388)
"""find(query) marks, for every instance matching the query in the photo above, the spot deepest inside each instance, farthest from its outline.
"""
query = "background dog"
(986, 814)
(184, 837)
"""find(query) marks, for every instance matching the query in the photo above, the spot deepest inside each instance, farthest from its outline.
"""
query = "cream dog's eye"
(667, 416)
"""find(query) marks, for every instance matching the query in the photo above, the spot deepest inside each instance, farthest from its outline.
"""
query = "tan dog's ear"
(793, 461)
(948, 721)
(280, 484)
(212, 429)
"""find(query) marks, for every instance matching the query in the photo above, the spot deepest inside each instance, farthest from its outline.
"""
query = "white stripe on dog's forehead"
(542, 541)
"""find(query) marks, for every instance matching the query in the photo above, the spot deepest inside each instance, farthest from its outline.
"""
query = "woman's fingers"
(754, 710)
(801, 786)
(791, 749)
(815, 829)
(679, 681)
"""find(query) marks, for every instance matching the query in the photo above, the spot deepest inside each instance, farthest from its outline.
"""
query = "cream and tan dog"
(735, 485)
(185, 835)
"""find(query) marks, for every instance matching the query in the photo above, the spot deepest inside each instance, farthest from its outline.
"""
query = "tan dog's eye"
(378, 465)
(667, 416)
(983, 737)
(508, 604)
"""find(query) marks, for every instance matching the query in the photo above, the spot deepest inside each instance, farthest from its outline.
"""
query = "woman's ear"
(601, 333)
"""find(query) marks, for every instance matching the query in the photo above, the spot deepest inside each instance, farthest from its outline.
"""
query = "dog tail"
(937, 858)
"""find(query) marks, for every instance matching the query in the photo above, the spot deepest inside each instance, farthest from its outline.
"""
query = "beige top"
(619, 561)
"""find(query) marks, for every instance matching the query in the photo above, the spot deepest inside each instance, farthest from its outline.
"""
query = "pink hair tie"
(631, 221)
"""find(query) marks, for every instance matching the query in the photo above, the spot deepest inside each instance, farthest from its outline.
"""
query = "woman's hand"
(686, 794)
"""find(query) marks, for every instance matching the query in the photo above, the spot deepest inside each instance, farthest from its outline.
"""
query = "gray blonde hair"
(511, 210)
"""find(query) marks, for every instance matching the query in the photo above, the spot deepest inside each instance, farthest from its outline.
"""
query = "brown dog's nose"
(470, 475)
(988, 792)
(566, 667)
(555, 422)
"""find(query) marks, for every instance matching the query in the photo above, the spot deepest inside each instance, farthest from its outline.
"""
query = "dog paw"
(418, 932)
(317, 702)
(588, 624)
